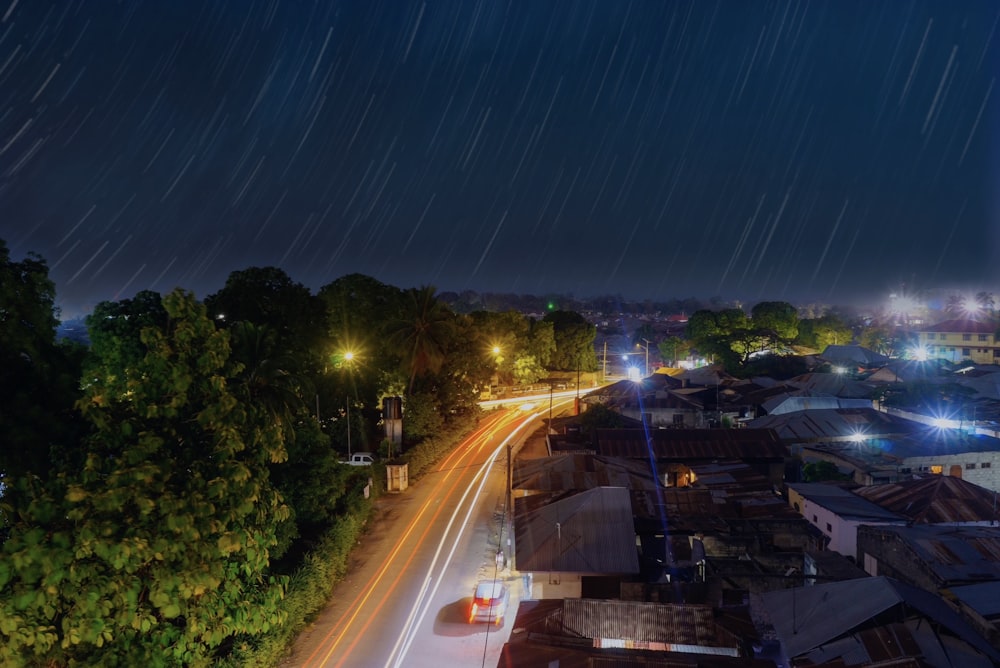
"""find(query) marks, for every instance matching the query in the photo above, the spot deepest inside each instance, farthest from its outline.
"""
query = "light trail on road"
(472, 445)
(423, 602)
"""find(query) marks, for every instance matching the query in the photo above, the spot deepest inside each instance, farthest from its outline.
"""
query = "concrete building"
(961, 339)
(837, 513)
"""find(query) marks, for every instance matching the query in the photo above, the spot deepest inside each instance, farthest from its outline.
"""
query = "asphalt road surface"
(407, 597)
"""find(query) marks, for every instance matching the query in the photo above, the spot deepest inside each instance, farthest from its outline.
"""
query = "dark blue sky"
(829, 151)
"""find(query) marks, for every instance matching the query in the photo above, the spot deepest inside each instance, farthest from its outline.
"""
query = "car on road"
(489, 602)
(359, 459)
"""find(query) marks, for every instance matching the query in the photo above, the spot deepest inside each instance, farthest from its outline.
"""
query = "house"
(562, 540)
(869, 621)
(948, 452)
(961, 339)
(838, 513)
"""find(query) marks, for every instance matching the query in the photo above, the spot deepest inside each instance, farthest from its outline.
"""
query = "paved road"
(406, 599)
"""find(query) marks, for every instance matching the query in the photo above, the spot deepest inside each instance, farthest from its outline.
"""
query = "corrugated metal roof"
(580, 471)
(690, 444)
(983, 597)
(806, 617)
(646, 623)
(960, 326)
(589, 532)
(844, 503)
(935, 500)
(826, 424)
(955, 554)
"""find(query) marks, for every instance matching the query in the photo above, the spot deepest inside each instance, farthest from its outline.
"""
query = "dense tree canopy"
(574, 341)
(158, 550)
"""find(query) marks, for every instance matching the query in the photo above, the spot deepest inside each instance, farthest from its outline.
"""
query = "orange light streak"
(482, 436)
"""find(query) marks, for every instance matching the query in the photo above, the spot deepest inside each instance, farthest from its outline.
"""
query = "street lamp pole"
(348, 427)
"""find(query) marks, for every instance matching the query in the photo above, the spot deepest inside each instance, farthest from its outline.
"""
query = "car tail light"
(475, 609)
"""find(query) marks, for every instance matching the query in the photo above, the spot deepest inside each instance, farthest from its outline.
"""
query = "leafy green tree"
(674, 348)
(422, 417)
(712, 334)
(156, 551)
(115, 331)
(574, 339)
(778, 318)
(39, 382)
(826, 330)
(527, 370)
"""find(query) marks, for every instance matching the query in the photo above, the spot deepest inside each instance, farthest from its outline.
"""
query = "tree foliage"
(39, 380)
(156, 551)
(574, 341)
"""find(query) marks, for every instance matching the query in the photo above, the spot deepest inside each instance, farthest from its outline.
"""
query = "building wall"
(958, 346)
(556, 585)
(884, 554)
(980, 468)
(842, 532)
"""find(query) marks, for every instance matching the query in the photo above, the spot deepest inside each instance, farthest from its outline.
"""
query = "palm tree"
(422, 332)
(267, 381)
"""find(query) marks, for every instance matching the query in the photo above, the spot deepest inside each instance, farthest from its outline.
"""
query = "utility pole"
(348, 427)
(647, 356)
(550, 408)
(604, 367)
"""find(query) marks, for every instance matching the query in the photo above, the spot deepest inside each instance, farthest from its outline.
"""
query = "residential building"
(961, 339)
(838, 513)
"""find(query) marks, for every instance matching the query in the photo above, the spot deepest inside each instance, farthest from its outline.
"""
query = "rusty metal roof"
(581, 471)
(954, 554)
(690, 444)
(935, 500)
(647, 625)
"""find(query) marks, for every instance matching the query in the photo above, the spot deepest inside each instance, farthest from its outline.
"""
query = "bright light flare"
(919, 353)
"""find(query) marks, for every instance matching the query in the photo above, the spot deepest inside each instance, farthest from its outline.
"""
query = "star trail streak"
(580, 147)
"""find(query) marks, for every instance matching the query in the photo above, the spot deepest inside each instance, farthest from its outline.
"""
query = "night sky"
(824, 150)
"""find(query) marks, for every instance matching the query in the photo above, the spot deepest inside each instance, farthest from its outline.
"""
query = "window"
(944, 337)
(937, 469)
(931, 336)
(829, 527)
(905, 469)
(985, 465)
(966, 337)
(815, 520)
(982, 337)
(871, 565)
(966, 352)
(679, 418)
(970, 466)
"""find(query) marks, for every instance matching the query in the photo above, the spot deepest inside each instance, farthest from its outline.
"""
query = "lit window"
(937, 469)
